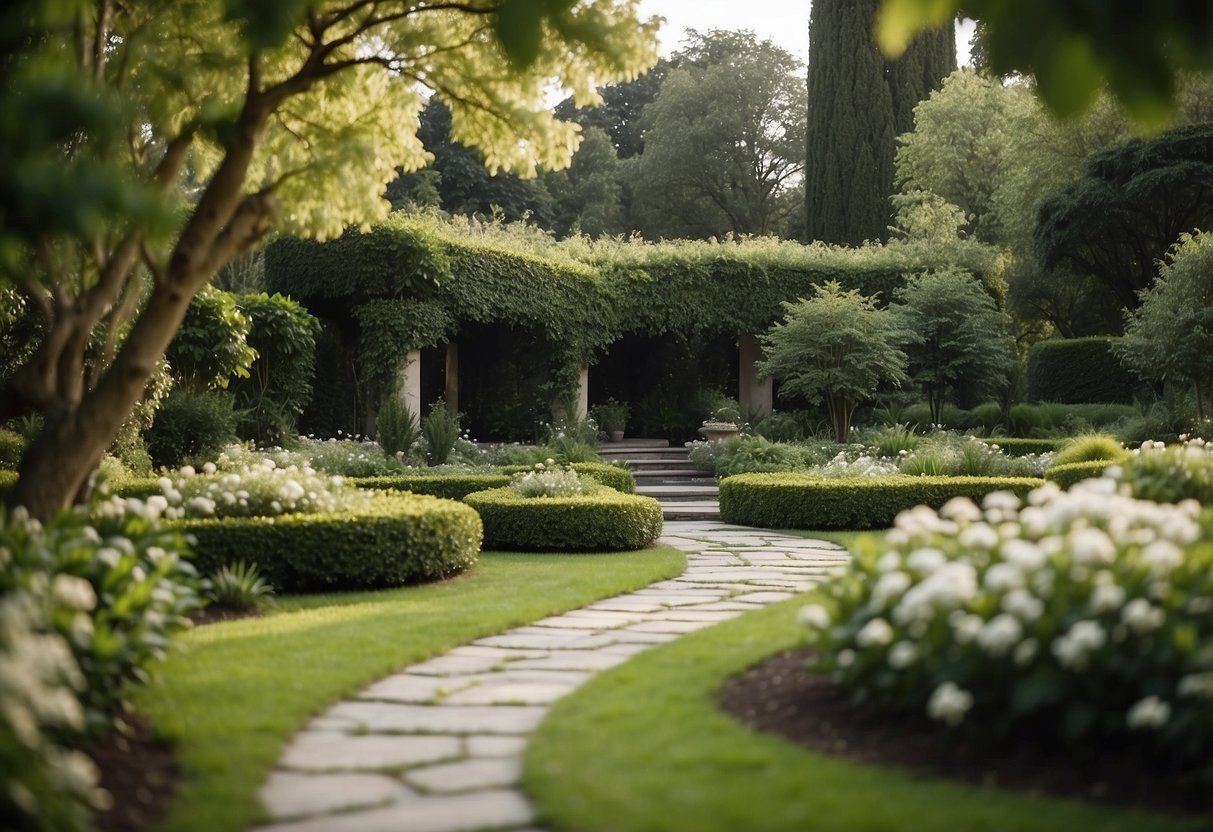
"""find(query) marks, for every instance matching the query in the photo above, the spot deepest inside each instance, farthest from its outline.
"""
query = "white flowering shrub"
(1087, 612)
(347, 457)
(1168, 474)
(87, 603)
(860, 466)
(547, 479)
(258, 489)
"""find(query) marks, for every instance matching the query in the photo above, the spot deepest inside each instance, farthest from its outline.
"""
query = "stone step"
(678, 479)
(679, 493)
(691, 510)
(631, 444)
(643, 466)
(644, 454)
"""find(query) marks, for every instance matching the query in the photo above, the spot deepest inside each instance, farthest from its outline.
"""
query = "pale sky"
(784, 21)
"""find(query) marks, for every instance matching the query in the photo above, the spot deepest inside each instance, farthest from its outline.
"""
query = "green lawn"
(239, 690)
(643, 747)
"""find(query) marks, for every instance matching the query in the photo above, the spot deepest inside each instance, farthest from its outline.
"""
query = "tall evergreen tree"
(858, 103)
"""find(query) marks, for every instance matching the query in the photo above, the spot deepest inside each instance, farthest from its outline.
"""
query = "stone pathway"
(438, 747)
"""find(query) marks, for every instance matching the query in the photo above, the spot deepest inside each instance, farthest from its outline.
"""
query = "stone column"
(583, 395)
(451, 393)
(409, 375)
(753, 395)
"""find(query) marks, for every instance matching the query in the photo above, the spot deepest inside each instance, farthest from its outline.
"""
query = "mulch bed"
(778, 696)
(140, 772)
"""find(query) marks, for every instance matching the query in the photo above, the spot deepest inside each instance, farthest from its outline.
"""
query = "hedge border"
(602, 519)
(458, 486)
(802, 501)
(1019, 446)
(1070, 473)
(397, 539)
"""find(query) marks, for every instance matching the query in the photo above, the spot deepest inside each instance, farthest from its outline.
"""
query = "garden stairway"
(685, 491)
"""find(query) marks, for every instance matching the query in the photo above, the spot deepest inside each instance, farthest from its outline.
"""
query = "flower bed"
(599, 519)
(456, 486)
(391, 540)
(1085, 614)
(803, 501)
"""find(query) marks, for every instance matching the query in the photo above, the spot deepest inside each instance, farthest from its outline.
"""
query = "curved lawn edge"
(645, 747)
(238, 691)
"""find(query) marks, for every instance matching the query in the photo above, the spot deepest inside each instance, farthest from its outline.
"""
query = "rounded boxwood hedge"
(601, 519)
(1072, 472)
(802, 501)
(458, 486)
(1018, 446)
(397, 539)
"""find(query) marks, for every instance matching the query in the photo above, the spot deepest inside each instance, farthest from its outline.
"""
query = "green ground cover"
(675, 761)
(239, 690)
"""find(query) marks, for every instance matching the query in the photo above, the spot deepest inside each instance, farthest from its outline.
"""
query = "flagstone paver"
(438, 747)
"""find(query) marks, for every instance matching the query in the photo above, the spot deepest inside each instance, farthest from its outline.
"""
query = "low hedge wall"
(398, 539)
(458, 486)
(1067, 475)
(802, 501)
(1016, 446)
(602, 519)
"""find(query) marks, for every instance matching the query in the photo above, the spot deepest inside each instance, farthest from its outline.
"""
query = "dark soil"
(779, 696)
(140, 772)
(213, 614)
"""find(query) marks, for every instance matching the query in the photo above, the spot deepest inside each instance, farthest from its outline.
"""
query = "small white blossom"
(73, 593)
(902, 655)
(1141, 616)
(961, 509)
(889, 586)
(876, 633)
(1000, 634)
(979, 536)
(926, 560)
(1025, 651)
(1091, 546)
(949, 704)
(1074, 648)
(1150, 712)
(1198, 685)
(814, 616)
(1023, 605)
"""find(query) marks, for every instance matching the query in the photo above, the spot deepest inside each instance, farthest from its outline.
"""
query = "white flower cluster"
(547, 480)
(862, 466)
(255, 490)
(1042, 602)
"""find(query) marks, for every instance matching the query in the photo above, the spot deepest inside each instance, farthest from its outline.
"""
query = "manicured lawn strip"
(644, 747)
(842, 538)
(239, 690)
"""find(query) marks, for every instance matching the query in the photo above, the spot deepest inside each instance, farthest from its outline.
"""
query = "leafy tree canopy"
(182, 133)
(1136, 47)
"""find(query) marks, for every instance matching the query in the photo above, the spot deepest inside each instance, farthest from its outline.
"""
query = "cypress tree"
(858, 104)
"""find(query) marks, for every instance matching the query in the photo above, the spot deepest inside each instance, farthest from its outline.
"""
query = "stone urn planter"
(716, 431)
(614, 435)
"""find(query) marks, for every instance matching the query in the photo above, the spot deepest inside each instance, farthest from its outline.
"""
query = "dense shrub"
(1070, 473)
(1051, 419)
(396, 426)
(261, 489)
(456, 484)
(802, 501)
(211, 345)
(191, 425)
(440, 428)
(600, 519)
(919, 416)
(395, 539)
(1078, 370)
(743, 454)
(239, 586)
(279, 381)
(12, 447)
(1170, 474)
(1089, 448)
(1083, 615)
(547, 481)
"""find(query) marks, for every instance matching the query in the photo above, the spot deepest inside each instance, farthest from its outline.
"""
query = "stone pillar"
(754, 396)
(451, 393)
(583, 395)
(409, 375)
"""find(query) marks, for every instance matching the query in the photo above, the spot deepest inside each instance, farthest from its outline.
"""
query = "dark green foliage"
(397, 429)
(7, 480)
(1171, 475)
(1067, 475)
(601, 519)
(1135, 200)
(239, 586)
(1078, 370)
(211, 345)
(1048, 419)
(389, 329)
(1017, 446)
(398, 539)
(280, 379)
(858, 103)
(335, 405)
(619, 113)
(440, 430)
(12, 446)
(191, 424)
(802, 501)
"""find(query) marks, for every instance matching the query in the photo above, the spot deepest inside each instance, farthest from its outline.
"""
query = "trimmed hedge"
(458, 486)
(1017, 446)
(1067, 475)
(1077, 370)
(398, 539)
(602, 519)
(802, 501)
(8, 481)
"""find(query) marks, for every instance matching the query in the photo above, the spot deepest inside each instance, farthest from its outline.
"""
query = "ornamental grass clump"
(260, 489)
(547, 480)
(1084, 615)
